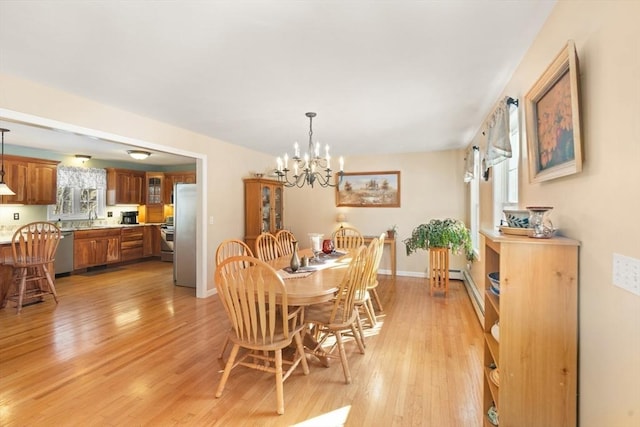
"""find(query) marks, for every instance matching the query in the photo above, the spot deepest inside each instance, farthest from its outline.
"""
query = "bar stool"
(33, 248)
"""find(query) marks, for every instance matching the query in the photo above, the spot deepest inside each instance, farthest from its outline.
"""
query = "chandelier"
(310, 169)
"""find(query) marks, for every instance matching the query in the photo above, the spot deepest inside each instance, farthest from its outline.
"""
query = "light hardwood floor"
(125, 347)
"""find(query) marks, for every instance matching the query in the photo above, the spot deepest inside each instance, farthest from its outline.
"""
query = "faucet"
(91, 218)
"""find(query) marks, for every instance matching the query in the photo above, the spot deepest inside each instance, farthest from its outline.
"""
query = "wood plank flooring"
(125, 347)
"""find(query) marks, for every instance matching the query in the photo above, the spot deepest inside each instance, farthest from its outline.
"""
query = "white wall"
(599, 206)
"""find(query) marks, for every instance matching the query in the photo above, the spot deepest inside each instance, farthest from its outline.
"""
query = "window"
(474, 203)
(505, 174)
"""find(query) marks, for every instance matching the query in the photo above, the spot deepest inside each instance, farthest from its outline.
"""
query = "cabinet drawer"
(131, 253)
(131, 244)
(92, 234)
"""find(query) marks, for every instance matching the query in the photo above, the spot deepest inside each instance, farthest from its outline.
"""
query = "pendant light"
(4, 188)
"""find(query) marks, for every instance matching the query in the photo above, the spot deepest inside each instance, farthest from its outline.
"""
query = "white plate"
(495, 331)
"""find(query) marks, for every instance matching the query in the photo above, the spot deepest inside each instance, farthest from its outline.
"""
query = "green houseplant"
(441, 233)
(440, 237)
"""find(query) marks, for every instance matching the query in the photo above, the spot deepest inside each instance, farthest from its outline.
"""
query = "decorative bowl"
(517, 218)
(494, 278)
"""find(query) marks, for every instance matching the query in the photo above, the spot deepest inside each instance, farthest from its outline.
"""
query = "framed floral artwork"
(553, 120)
(369, 190)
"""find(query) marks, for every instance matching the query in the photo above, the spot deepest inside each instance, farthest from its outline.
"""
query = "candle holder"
(539, 222)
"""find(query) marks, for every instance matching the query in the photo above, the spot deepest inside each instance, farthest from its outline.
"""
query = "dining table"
(316, 283)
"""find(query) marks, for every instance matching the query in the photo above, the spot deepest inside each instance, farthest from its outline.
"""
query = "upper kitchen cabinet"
(124, 186)
(171, 178)
(154, 184)
(33, 180)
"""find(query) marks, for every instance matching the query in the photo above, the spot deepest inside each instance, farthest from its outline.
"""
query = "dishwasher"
(64, 254)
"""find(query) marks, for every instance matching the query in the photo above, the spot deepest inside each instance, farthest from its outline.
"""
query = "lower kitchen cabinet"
(96, 247)
(132, 243)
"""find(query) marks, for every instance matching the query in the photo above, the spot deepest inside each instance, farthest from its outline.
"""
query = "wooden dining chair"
(267, 247)
(363, 298)
(372, 282)
(255, 300)
(336, 317)
(227, 249)
(285, 239)
(231, 247)
(33, 249)
(348, 238)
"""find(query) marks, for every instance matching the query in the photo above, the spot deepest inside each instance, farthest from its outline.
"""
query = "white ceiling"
(383, 76)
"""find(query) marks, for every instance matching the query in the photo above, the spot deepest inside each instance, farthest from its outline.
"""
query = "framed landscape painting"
(553, 120)
(369, 190)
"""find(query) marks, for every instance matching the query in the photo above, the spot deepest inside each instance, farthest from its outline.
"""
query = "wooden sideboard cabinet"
(536, 352)
(124, 186)
(33, 180)
(263, 208)
(96, 247)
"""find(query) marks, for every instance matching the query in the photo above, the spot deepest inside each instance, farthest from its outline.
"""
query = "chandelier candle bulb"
(286, 161)
(341, 163)
(296, 151)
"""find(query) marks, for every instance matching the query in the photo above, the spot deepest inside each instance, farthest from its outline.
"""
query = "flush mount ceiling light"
(4, 188)
(311, 168)
(139, 154)
(83, 157)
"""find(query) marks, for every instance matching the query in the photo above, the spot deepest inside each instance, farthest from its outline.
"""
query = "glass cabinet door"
(278, 209)
(266, 209)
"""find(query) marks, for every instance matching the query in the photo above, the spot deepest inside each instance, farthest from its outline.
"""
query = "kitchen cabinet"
(154, 188)
(535, 345)
(263, 208)
(33, 180)
(96, 247)
(171, 178)
(132, 243)
(151, 241)
(124, 187)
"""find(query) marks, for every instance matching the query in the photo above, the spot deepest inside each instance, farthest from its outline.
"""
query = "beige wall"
(598, 206)
(431, 187)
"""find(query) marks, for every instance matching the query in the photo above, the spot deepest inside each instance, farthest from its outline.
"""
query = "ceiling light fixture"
(4, 188)
(139, 154)
(83, 157)
(311, 168)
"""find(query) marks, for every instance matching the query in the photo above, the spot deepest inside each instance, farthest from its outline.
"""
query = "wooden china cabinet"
(263, 208)
(535, 345)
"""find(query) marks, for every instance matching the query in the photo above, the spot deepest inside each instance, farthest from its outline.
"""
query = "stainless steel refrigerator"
(184, 238)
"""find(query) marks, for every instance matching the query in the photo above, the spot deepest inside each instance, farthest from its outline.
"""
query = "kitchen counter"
(6, 235)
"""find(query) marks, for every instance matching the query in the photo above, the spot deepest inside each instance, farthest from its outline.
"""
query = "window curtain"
(470, 164)
(498, 144)
(77, 177)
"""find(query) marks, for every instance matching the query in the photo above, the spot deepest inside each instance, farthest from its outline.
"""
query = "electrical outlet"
(109, 214)
(211, 220)
(626, 273)
(16, 216)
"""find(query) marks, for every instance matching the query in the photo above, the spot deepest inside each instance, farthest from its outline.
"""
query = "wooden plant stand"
(439, 270)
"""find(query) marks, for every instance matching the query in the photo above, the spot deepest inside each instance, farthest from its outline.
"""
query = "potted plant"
(391, 231)
(440, 237)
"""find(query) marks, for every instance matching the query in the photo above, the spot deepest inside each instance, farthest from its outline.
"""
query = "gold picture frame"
(369, 190)
(553, 120)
